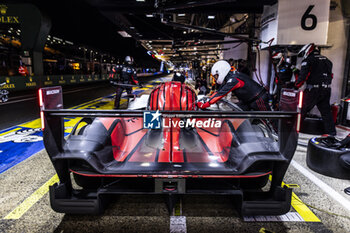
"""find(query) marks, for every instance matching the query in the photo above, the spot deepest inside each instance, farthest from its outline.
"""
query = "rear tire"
(327, 161)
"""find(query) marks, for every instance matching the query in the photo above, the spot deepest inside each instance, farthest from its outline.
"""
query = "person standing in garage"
(251, 95)
(127, 77)
(316, 72)
(283, 75)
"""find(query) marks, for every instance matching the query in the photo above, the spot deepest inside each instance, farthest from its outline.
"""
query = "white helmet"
(129, 60)
(220, 68)
(306, 50)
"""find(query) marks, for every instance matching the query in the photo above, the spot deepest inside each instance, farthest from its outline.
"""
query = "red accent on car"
(172, 96)
(174, 176)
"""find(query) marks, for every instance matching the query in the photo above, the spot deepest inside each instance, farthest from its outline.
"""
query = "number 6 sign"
(296, 22)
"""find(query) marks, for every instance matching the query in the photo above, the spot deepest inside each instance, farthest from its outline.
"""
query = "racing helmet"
(306, 50)
(277, 58)
(129, 60)
(221, 68)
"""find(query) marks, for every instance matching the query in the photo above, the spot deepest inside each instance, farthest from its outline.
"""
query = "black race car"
(170, 148)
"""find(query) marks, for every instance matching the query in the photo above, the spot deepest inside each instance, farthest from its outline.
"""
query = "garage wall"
(337, 39)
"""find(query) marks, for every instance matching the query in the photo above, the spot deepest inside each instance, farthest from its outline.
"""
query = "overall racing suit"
(251, 95)
(316, 71)
(283, 79)
(127, 75)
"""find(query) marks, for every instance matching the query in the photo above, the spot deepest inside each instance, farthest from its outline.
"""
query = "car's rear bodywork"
(210, 152)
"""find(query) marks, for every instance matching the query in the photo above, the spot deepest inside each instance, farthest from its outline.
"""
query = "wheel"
(312, 125)
(327, 161)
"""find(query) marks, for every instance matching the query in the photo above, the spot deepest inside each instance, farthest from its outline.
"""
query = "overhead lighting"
(150, 41)
(140, 0)
(149, 15)
(211, 16)
(56, 38)
(132, 27)
(184, 32)
(181, 14)
(124, 34)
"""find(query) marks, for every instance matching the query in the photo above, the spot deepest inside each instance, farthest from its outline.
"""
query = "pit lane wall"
(21, 83)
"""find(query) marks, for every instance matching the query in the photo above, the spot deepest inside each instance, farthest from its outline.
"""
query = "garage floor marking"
(39, 193)
(325, 187)
(32, 199)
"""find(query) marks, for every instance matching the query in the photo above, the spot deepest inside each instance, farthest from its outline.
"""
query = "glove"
(202, 105)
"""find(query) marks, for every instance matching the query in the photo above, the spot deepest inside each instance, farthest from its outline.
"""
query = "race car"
(170, 148)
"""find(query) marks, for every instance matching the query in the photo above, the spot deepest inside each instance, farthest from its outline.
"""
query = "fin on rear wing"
(291, 100)
(50, 98)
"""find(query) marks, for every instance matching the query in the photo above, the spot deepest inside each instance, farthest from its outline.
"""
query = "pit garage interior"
(73, 46)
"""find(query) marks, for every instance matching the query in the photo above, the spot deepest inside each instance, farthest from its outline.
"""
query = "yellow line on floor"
(7, 132)
(303, 210)
(300, 207)
(31, 200)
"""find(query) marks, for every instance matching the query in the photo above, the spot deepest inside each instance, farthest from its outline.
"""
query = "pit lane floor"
(25, 205)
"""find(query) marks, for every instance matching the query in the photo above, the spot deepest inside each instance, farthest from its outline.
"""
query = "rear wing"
(52, 114)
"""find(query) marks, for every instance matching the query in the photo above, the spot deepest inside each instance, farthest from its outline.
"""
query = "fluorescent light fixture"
(182, 14)
(140, 0)
(211, 16)
(56, 38)
(132, 27)
(124, 34)
(149, 15)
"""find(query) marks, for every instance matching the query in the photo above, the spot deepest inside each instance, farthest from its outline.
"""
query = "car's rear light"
(40, 98)
(301, 96)
(42, 119)
(300, 105)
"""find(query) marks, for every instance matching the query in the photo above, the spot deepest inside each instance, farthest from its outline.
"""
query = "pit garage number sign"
(296, 22)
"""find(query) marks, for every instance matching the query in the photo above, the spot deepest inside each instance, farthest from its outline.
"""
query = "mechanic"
(127, 76)
(251, 95)
(284, 73)
(316, 72)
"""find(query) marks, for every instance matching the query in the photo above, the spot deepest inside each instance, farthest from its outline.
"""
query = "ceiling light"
(181, 14)
(184, 32)
(132, 27)
(140, 0)
(149, 16)
(124, 34)
(211, 16)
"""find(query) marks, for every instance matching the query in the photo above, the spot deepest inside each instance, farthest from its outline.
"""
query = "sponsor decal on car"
(156, 120)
